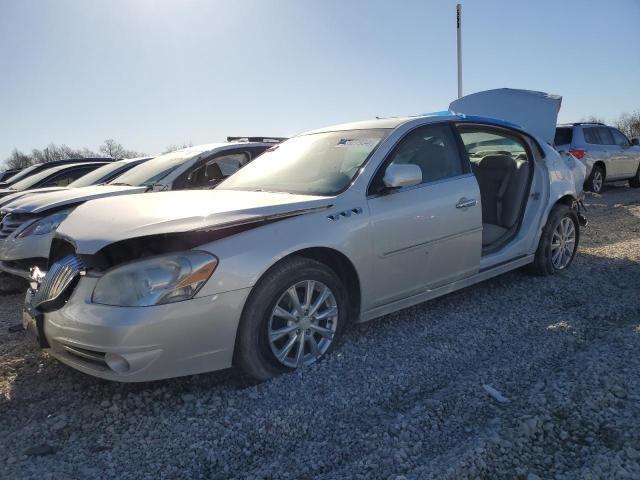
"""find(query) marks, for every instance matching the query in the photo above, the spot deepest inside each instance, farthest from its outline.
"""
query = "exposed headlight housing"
(157, 280)
(45, 225)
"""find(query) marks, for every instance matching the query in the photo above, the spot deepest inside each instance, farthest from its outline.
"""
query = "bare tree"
(592, 119)
(111, 148)
(178, 146)
(17, 159)
(629, 124)
(53, 152)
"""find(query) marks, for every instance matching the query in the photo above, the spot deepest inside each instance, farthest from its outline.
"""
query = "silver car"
(335, 226)
(28, 223)
(606, 152)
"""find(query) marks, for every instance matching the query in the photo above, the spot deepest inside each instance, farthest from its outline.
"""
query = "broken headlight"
(155, 280)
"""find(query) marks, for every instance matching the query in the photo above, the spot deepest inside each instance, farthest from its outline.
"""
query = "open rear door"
(535, 112)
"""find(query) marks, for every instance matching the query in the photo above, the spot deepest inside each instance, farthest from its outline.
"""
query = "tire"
(545, 262)
(634, 181)
(596, 179)
(255, 353)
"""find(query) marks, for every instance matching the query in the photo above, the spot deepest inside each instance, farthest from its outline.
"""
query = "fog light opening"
(117, 363)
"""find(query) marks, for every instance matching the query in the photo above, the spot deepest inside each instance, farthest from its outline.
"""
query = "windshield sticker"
(357, 142)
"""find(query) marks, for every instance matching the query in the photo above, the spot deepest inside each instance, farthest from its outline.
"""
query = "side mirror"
(404, 175)
(635, 141)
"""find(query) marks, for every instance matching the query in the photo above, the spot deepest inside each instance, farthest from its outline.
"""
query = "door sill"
(421, 297)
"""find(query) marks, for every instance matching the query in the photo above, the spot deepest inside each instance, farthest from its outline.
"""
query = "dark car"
(5, 175)
(58, 176)
(38, 167)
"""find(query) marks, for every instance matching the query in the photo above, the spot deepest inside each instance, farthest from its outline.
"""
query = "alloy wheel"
(303, 323)
(563, 243)
(597, 181)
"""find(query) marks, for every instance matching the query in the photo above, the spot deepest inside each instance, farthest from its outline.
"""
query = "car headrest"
(214, 171)
(496, 162)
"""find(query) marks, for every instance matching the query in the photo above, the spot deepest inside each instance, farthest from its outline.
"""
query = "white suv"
(606, 151)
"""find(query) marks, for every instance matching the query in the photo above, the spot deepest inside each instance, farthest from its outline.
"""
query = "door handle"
(464, 203)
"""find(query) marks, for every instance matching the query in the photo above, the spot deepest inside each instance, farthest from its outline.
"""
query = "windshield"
(317, 164)
(35, 178)
(98, 174)
(20, 175)
(154, 170)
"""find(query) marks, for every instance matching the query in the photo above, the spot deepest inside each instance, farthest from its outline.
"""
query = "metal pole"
(459, 32)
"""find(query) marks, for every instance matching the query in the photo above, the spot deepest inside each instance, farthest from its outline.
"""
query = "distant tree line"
(52, 152)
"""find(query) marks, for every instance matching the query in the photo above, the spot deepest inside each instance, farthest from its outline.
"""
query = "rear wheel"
(558, 242)
(595, 182)
(293, 317)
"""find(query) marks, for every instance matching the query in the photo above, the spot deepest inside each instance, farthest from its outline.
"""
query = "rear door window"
(591, 135)
(564, 136)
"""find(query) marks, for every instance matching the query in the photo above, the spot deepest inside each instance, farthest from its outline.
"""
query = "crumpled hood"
(97, 224)
(14, 196)
(70, 196)
(535, 112)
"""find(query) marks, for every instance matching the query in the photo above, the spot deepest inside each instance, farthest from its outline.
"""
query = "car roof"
(394, 122)
(207, 147)
(577, 124)
(136, 159)
(71, 166)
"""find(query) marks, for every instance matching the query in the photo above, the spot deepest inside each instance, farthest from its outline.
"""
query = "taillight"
(578, 152)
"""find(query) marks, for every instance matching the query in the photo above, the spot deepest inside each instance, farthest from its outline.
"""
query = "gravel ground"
(402, 397)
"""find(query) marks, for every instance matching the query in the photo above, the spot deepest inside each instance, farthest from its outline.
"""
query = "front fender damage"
(137, 248)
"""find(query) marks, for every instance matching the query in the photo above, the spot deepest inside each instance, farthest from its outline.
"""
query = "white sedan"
(335, 226)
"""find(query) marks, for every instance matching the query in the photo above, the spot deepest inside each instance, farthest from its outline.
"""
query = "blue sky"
(150, 73)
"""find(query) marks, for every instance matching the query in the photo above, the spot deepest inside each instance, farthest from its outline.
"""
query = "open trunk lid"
(535, 112)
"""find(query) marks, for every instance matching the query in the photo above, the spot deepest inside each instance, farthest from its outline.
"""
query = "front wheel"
(293, 317)
(558, 242)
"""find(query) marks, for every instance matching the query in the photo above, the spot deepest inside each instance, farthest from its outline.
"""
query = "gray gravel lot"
(402, 397)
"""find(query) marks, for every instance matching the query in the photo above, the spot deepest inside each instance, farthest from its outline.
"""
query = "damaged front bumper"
(135, 344)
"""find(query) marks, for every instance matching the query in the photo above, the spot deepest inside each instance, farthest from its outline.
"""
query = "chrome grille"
(58, 278)
(10, 223)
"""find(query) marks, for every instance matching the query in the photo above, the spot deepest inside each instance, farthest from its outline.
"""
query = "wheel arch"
(332, 258)
(342, 266)
(336, 261)
(602, 165)
(567, 199)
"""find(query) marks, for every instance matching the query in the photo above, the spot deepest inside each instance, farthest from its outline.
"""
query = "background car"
(5, 175)
(38, 167)
(606, 151)
(27, 224)
(57, 176)
(338, 225)
(99, 176)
